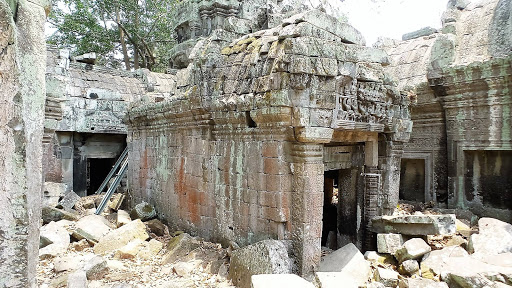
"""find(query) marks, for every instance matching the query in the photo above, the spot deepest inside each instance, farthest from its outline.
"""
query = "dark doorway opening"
(487, 175)
(412, 180)
(330, 211)
(97, 171)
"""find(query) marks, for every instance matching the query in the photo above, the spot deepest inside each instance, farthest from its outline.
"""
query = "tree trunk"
(123, 43)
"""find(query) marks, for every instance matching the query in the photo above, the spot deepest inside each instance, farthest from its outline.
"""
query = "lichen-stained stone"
(349, 261)
(265, 257)
(321, 20)
(389, 243)
(415, 224)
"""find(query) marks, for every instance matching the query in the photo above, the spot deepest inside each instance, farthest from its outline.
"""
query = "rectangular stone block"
(389, 243)
(415, 224)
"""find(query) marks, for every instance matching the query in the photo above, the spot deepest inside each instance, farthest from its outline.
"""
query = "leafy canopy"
(133, 33)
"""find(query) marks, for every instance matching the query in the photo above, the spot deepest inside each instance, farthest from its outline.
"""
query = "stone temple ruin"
(267, 109)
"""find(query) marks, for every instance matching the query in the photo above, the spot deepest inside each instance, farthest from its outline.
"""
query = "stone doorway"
(330, 210)
(412, 180)
(97, 171)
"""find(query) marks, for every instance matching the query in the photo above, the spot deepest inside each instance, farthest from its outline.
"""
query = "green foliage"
(101, 26)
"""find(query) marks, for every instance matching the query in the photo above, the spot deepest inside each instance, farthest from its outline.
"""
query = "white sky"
(391, 18)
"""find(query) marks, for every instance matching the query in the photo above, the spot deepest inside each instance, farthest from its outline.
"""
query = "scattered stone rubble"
(112, 250)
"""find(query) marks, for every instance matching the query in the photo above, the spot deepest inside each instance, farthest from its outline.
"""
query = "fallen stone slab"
(264, 257)
(92, 228)
(389, 243)
(49, 214)
(421, 283)
(433, 263)
(143, 211)
(59, 238)
(77, 279)
(470, 272)
(414, 224)
(178, 247)
(384, 259)
(183, 269)
(150, 249)
(348, 260)
(119, 237)
(130, 250)
(279, 281)
(494, 237)
(503, 259)
(412, 249)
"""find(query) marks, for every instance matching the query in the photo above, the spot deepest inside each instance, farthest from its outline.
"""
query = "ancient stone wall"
(22, 93)
(462, 82)
(237, 153)
(84, 111)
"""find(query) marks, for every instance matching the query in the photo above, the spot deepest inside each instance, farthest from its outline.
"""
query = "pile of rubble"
(121, 249)
(425, 250)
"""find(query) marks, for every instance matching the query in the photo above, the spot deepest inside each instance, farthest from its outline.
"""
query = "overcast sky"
(392, 18)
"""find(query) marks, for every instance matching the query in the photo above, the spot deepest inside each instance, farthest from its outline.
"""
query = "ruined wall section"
(410, 63)
(22, 93)
(237, 153)
(90, 100)
(477, 101)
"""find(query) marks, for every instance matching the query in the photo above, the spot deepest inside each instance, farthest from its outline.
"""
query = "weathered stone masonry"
(84, 129)
(22, 92)
(239, 151)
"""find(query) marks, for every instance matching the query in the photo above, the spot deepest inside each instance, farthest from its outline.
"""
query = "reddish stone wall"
(225, 189)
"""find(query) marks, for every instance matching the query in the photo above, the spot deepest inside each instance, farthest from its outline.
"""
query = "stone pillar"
(372, 189)
(391, 176)
(22, 95)
(307, 205)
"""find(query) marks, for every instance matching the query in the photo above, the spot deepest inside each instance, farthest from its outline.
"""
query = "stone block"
(179, 246)
(389, 243)
(412, 249)
(59, 238)
(50, 214)
(52, 191)
(265, 257)
(279, 281)
(384, 259)
(414, 224)
(123, 218)
(328, 23)
(77, 279)
(71, 263)
(119, 237)
(348, 260)
(69, 201)
(143, 211)
(426, 31)
(494, 237)
(157, 227)
(334, 279)
(96, 268)
(432, 264)
(387, 277)
(470, 272)
(409, 267)
(92, 228)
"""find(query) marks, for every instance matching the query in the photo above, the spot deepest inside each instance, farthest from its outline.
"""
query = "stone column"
(372, 189)
(307, 205)
(391, 176)
(22, 95)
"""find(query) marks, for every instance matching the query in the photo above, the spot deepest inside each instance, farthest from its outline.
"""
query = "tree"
(136, 31)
